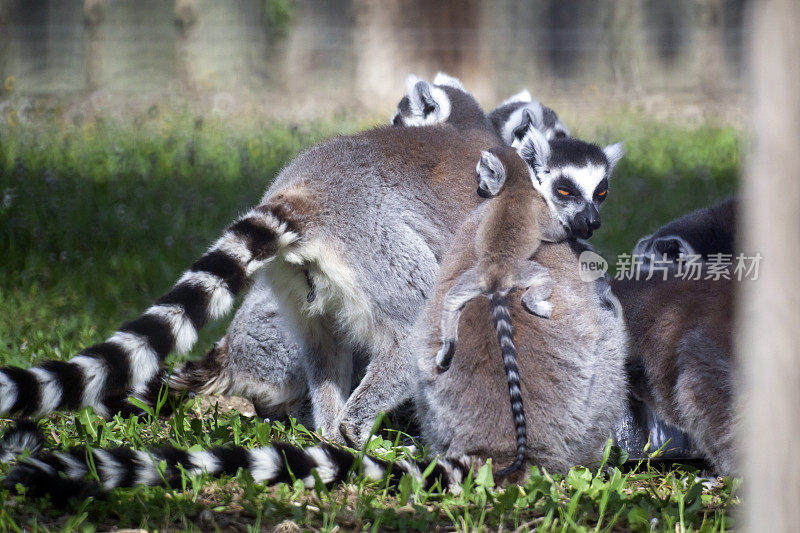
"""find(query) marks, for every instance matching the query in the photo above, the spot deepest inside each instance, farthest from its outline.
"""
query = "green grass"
(96, 219)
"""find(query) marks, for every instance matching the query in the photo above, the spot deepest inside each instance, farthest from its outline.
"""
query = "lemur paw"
(541, 308)
(445, 355)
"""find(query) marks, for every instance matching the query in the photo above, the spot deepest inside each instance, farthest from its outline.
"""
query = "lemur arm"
(465, 288)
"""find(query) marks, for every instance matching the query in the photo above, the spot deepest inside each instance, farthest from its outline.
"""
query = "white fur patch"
(587, 178)
(73, 468)
(182, 329)
(220, 299)
(336, 291)
(326, 469)
(204, 461)
(146, 472)
(50, 389)
(109, 469)
(522, 96)
(234, 246)
(8, 393)
(143, 361)
(265, 463)
(449, 81)
(372, 469)
(94, 372)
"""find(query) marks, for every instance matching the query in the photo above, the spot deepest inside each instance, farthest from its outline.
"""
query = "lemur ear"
(420, 96)
(522, 96)
(491, 175)
(614, 153)
(529, 117)
(534, 149)
(445, 79)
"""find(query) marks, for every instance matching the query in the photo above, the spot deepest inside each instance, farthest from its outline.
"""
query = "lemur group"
(431, 261)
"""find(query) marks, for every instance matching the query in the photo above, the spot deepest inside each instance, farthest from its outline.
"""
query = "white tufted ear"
(520, 121)
(491, 175)
(445, 79)
(521, 97)
(428, 104)
(535, 150)
(614, 152)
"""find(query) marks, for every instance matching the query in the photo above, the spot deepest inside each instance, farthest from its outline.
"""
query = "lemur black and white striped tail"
(52, 472)
(167, 389)
(132, 356)
(505, 336)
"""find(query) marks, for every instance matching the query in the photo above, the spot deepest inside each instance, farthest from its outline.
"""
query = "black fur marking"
(71, 378)
(568, 151)
(29, 391)
(192, 298)
(41, 483)
(117, 366)
(261, 240)
(341, 458)
(232, 459)
(173, 458)
(295, 459)
(127, 459)
(223, 266)
(157, 331)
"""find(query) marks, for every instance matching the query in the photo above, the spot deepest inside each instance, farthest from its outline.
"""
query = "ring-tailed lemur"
(512, 119)
(511, 227)
(497, 260)
(681, 373)
(681, 337)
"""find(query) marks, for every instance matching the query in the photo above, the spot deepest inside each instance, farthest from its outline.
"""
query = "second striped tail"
(505, 336)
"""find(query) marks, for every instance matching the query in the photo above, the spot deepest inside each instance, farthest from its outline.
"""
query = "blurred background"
(131, 132)
(295, 59)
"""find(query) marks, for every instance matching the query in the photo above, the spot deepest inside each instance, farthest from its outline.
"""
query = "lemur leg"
(537, 279)
(465, 289)
(329, 370)
(389, 380)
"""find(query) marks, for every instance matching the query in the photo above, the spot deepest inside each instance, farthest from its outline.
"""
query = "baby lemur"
(510, 228)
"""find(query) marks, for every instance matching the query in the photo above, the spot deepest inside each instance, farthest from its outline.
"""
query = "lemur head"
(706, 231)
(445, 100)
(513, 118)
(572, 176)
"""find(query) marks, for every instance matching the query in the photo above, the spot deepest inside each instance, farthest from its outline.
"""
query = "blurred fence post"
(768, 341)
(94, 12)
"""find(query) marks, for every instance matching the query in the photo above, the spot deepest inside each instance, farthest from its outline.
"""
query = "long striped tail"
(68, 473)
(167, 389)
(133, 355)
(505, 336)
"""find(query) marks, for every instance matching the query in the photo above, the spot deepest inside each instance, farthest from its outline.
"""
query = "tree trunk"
(769, 312)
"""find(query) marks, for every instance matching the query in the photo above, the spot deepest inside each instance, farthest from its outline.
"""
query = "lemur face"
(572, 176)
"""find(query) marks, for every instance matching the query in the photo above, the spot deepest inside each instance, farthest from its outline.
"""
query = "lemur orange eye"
(602, 193)
(563, 192)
